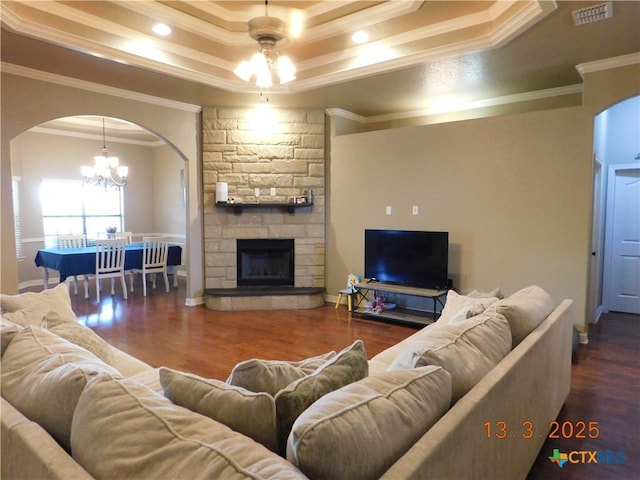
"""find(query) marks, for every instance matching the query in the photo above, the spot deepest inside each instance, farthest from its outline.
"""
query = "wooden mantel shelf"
(238, 207)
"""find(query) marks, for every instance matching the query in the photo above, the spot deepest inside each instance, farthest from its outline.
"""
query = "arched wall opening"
(28, 102)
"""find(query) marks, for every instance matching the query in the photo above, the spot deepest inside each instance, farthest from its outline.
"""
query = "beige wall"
(513, 192)
(501, 186)
(27, 102)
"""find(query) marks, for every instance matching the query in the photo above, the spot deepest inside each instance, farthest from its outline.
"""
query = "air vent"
(592, 14)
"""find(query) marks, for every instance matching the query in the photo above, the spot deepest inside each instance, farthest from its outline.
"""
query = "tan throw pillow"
(468, 350)
(359, 431)
(271, 376)
(250, 413)
(461, 307)
(56, 298)
(80, 335)
(122, 429)
(525, 310)
(43, 376)
(348, 366)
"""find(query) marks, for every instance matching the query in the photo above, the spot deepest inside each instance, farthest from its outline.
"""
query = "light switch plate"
(388, 210)
(256, 192)
(273, 191)
(414, 210)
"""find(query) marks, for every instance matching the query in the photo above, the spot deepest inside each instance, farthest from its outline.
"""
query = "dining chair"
(128, 236)
(73, 241)
(110, 263)
(154, 260)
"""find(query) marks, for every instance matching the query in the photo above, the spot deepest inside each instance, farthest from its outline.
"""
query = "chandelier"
(267, 31)
(106, 170)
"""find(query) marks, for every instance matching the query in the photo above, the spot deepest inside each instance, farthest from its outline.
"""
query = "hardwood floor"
(160, 330)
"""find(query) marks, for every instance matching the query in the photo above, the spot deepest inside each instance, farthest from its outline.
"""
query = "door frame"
(608, 242)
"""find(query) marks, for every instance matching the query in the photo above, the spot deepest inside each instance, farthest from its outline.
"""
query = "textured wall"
(290, 159)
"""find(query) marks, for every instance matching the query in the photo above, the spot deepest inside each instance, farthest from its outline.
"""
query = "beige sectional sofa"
(74, 407)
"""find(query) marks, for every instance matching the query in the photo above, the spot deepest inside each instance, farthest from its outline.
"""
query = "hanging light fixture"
(106, 170)
(267, 31)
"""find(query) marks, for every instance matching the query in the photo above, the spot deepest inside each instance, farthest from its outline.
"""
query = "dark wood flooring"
(160, 330)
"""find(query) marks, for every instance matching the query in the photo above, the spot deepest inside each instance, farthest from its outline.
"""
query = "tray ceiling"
(209, 38)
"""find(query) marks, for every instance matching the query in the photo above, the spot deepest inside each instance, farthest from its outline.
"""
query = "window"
(15, 189)
(69, 206)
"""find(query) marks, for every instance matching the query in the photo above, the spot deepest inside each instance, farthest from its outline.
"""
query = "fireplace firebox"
(265, 262)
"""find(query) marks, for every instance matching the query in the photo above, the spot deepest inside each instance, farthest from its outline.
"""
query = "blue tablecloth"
(80, 261)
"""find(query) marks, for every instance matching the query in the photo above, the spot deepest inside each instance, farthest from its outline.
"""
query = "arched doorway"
(616, 148)
(153, 201)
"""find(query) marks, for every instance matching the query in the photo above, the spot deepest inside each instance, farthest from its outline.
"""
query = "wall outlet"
(256, 192)
(387, 210)
(273, 191)
(414, 210)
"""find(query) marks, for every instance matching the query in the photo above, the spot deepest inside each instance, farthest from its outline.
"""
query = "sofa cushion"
(348, 366)
(64, 324)
(496, 292)
(250, 413)
(56, 299)
(80, 335)
(359, 431)
(271, 376)
(43, 376)
(467, 349)
(124, 430)
(525, 310)
(461, 307)
(8, 330)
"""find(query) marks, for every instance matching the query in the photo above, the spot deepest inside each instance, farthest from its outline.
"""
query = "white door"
(623, 239)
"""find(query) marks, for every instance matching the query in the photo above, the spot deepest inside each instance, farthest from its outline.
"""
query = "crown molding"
(89, 136)
(489, 102)
(33, 74)
(608, 63)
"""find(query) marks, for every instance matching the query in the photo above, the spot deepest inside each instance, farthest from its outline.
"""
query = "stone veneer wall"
(292, 160)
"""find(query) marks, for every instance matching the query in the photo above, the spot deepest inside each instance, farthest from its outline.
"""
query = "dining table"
(82, 261)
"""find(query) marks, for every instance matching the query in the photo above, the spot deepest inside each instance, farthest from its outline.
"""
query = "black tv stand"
(399, 314)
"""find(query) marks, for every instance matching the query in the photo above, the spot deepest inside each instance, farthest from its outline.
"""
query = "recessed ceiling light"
(360, 36)
(162, 29)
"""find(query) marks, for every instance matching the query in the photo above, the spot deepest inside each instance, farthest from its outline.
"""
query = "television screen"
(411, 258)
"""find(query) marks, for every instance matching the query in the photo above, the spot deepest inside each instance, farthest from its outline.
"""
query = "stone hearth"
(264, 298)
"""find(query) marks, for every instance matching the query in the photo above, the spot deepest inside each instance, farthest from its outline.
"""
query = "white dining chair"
(110, 263)
(154, 260)
(128, 236)
(73, 241)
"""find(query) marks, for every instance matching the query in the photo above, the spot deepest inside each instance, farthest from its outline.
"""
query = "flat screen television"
(405, 257)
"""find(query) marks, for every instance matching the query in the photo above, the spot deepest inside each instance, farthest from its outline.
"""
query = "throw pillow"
(56, 298)
(348, 366)
(43, 376)
(80, 335)
(359, 431)
(468, 350)
(458, 307)
(525, 310)
(250, 413)
(122, 429)
(271, 376)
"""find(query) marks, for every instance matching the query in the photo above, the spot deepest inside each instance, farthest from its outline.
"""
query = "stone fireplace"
(265, 262)
(263, 174)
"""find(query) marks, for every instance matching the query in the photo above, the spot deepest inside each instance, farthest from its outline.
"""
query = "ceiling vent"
(592, 14)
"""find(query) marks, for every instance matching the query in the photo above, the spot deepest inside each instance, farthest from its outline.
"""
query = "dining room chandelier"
(106, 171)
(267, 31)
